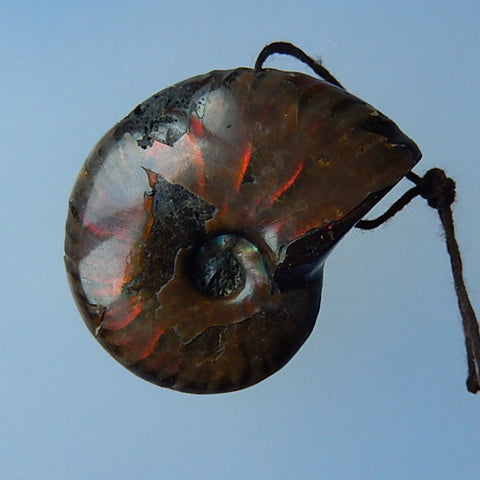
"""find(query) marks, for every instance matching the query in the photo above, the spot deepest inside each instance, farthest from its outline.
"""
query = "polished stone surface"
(282, 162)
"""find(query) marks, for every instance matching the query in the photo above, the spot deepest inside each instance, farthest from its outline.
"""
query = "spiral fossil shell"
(199, 225)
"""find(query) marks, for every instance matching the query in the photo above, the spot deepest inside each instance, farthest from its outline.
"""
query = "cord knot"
(437, 189)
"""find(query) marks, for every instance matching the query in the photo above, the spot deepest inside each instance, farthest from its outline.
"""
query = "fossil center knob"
(218, 267)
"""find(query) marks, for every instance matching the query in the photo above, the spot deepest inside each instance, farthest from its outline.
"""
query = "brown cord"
(439, 191)
(286, 48)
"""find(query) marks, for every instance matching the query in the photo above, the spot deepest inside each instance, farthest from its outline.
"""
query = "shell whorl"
(199, 224)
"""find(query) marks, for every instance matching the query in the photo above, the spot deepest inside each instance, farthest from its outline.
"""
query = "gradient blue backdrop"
(378, 390)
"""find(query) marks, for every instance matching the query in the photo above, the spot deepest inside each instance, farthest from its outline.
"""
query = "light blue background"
(378, 390)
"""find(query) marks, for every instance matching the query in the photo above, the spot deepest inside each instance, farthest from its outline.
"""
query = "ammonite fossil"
(199, 225)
